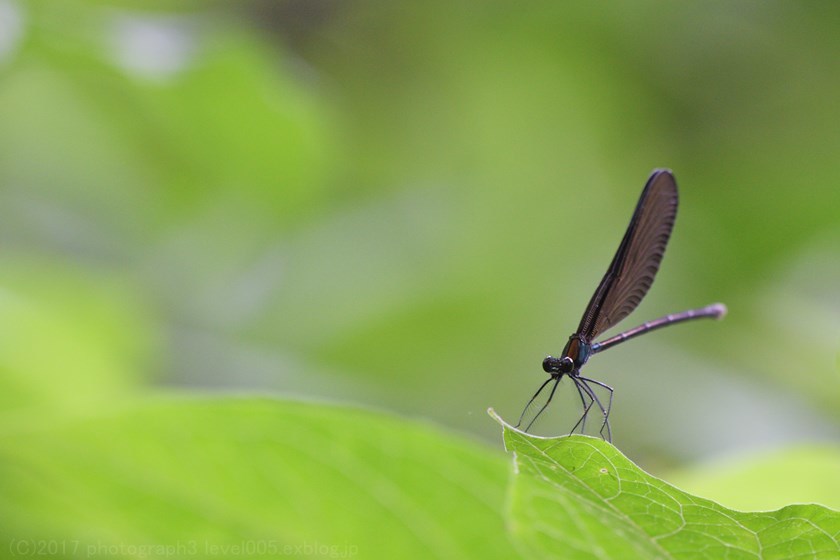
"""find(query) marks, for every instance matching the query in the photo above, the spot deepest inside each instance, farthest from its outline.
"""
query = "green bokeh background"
(407, 205)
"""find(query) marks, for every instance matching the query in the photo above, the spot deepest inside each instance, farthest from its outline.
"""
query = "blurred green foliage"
(770, 480)
(407, 206)
(215, 474)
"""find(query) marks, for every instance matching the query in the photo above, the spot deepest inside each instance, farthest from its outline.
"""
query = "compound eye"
(549, 364)
(567, 365)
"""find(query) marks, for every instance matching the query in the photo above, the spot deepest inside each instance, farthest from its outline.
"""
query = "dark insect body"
(628, 278)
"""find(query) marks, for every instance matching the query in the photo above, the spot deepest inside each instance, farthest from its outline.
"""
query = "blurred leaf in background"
(189, 477)
(770, 480)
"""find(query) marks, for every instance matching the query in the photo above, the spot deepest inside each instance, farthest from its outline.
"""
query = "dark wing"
(634, 266)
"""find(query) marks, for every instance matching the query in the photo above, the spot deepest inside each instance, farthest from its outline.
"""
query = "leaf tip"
(502, 422)
(495, 416)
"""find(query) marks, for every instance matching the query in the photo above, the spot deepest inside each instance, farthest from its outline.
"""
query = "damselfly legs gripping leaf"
(626, 282)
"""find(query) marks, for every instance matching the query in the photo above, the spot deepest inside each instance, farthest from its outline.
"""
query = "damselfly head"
(552, 365)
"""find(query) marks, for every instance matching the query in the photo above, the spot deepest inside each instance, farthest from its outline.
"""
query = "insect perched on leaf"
(626, 282)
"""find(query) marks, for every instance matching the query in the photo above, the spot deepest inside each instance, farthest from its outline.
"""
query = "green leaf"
(213, 474)
(769, 480)
(579, 497)
(70, 340)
